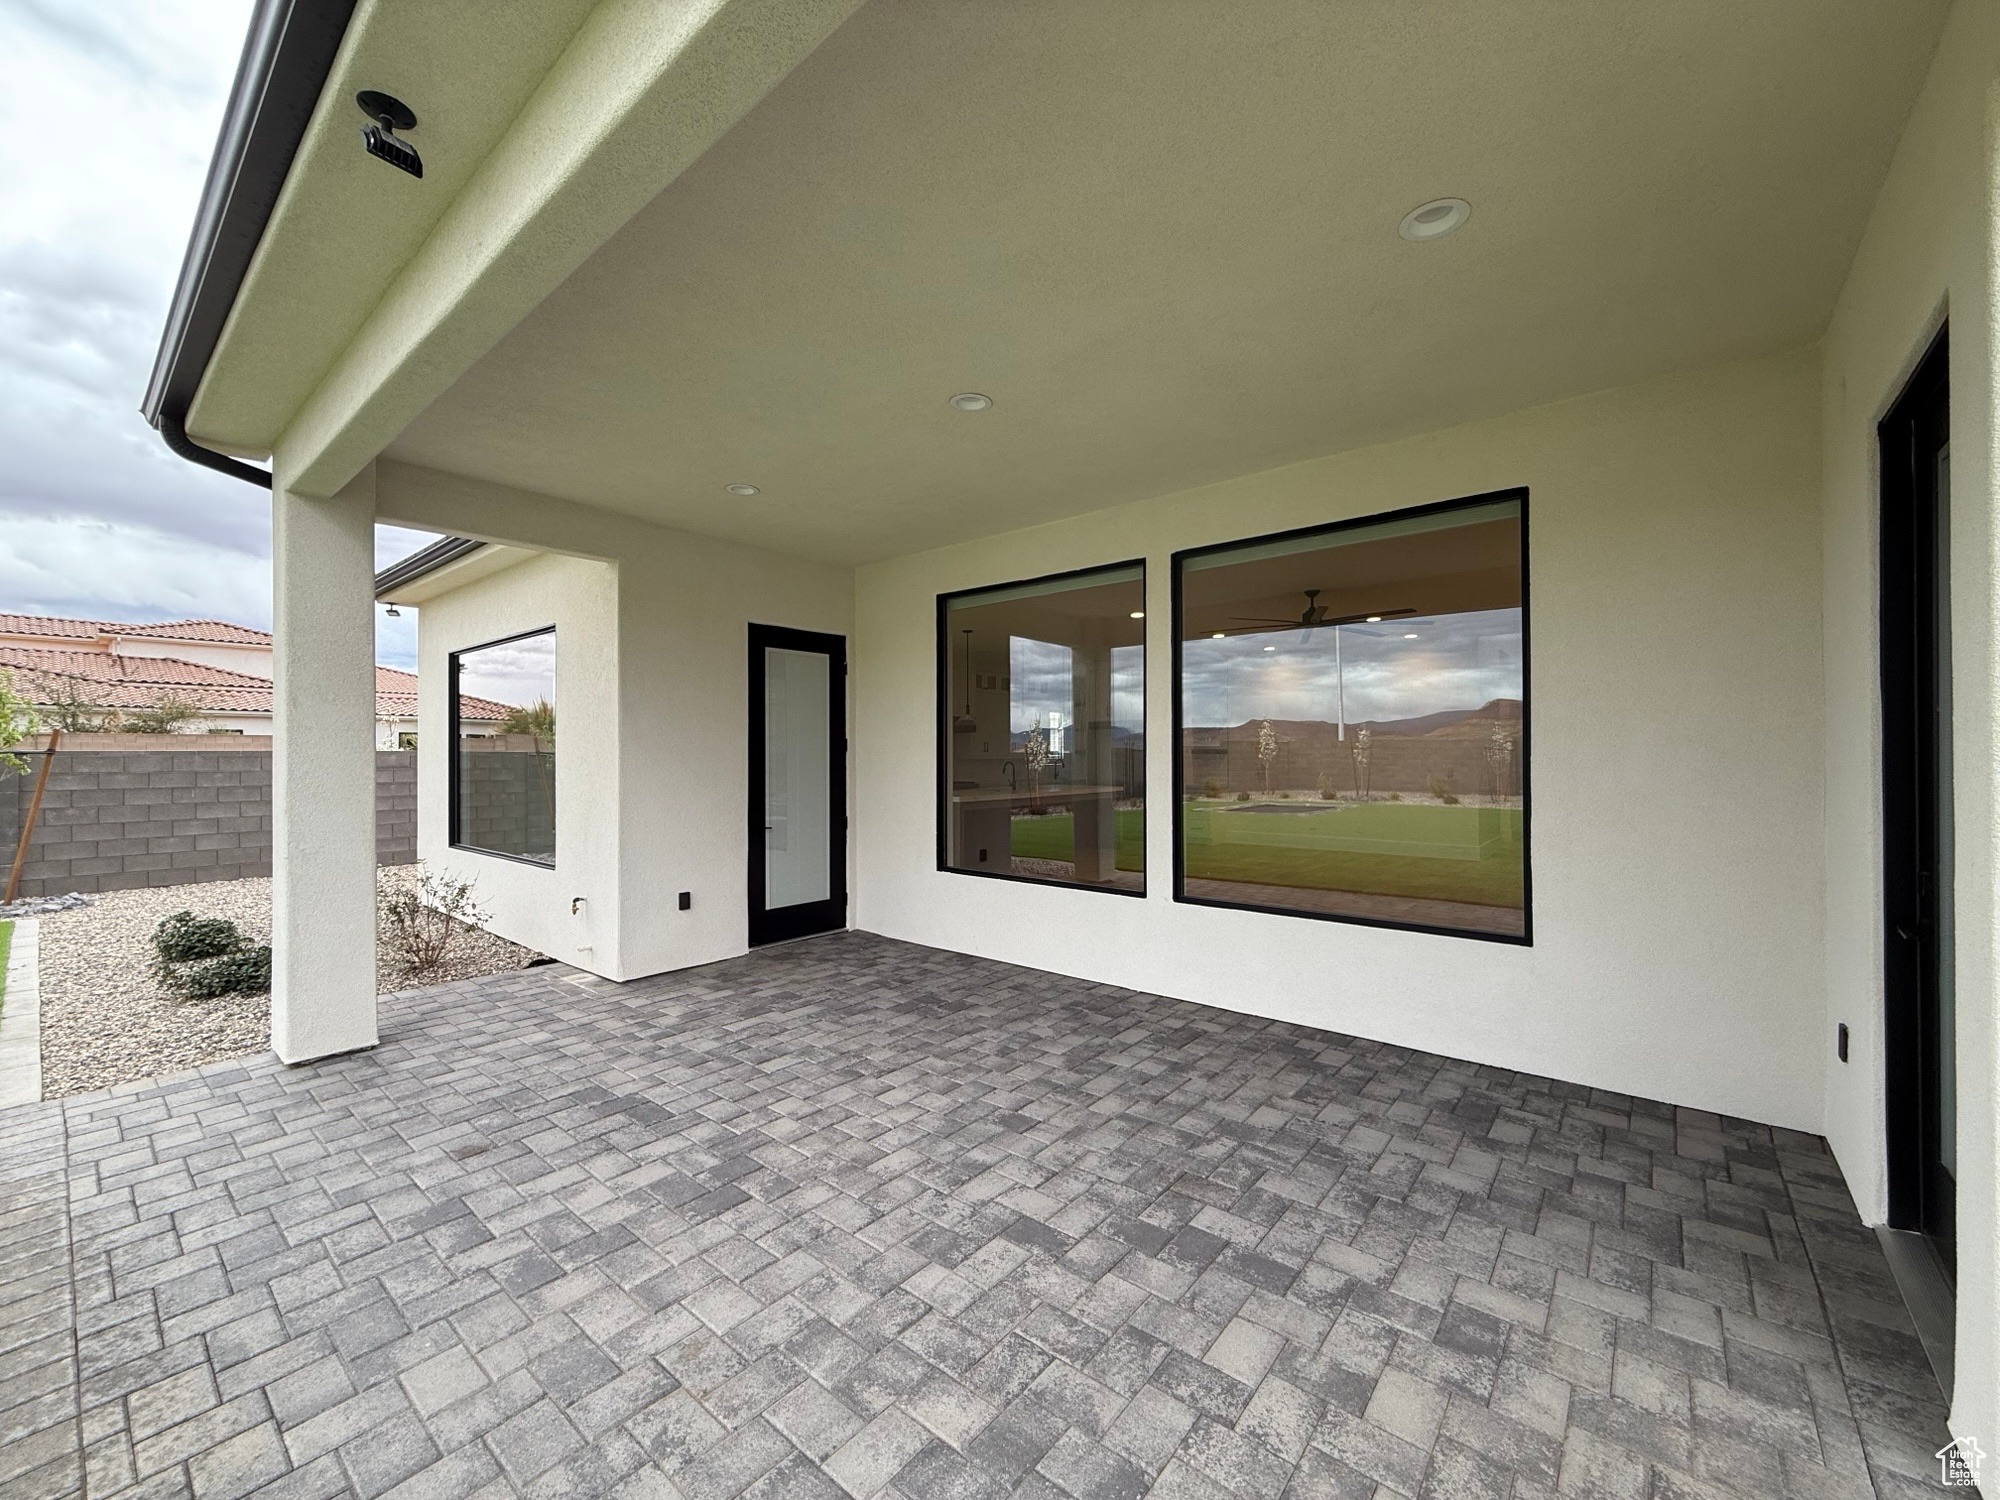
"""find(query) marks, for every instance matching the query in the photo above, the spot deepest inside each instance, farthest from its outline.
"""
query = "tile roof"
(115, 681)
(219, 632)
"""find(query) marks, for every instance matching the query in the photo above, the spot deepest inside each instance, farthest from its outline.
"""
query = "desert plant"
(184, 937)
(1328, 794)
(65, 707)
(165, 717)
(1242, 796)
(204, 958)
(423, 921)
(1441, 787)
(17, 722)
(537, 720)
(1036, 752)
(246, 971)
(1267, 751)
(1211, 788)
(1395, 796)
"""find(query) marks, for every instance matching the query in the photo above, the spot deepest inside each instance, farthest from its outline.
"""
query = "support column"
(323, 773)
(1094, 826)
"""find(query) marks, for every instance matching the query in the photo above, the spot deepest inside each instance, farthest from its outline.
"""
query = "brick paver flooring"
(857, 1217)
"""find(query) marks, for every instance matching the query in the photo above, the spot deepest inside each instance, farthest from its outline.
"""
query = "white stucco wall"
(250, 660)
(1674, 595)
(1928, 252)
(525, 902)
(664, 793)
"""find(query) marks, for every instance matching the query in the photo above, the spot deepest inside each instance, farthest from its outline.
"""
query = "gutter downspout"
(175, 433)
(288, 54)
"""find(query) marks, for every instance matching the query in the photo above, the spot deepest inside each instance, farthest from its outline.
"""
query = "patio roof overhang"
(658, 253)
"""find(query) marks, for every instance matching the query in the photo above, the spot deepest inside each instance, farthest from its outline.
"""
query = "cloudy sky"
(111, 108)
(1397, 670)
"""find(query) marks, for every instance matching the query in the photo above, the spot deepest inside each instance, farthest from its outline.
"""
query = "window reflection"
(503, 735)
(1352, 727)
(1044, 730)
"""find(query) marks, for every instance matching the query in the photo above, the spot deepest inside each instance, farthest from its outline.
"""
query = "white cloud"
(69, 565)
(114, 107)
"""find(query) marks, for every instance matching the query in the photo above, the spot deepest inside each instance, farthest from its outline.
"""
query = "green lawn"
(1054, 837)
(1470, 854)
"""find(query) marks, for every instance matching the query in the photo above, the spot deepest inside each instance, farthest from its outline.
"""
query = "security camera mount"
(390, 115)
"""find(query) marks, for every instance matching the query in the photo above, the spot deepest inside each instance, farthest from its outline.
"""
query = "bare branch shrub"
(422, 922)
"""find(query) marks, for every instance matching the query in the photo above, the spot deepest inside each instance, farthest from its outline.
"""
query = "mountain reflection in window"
(1353, 721)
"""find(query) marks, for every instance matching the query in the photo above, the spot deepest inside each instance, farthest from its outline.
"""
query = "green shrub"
(247, 971)
(184, 937)
(1395, 796)
(1242, 796)
(1211, 788)
(1328, 794)
(203, 958)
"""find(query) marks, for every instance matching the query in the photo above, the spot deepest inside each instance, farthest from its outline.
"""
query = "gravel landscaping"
(105, 1020)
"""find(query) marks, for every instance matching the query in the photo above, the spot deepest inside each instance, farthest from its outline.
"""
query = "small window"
(503, 733)
(1042, 740)
(1351, 715)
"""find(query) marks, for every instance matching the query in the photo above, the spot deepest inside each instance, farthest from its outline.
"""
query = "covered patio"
(852, 1216)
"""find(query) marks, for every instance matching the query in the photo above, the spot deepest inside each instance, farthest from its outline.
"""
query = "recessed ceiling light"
(1218, 635)
(1433, 220)
(1270, 648)
(1374, 619)
(741, 489)
(971, 401)
(1410, 635)
(1138, 614)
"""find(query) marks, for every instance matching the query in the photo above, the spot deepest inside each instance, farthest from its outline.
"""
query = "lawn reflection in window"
(1043, 730)
(1352, 722)
(503, 735)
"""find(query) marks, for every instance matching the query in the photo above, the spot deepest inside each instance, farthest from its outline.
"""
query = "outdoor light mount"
(390, 115)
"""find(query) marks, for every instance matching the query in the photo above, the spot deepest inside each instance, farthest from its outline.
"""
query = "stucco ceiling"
(1161, 235)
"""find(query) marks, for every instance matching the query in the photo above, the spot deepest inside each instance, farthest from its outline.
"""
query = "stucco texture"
(1674, 596)
(1928, 255)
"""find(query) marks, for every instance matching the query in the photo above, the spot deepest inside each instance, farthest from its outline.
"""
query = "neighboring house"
(222, 670)
(1201, 376)
(210, 643)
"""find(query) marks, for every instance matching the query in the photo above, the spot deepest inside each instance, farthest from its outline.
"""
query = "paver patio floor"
(857, 1217)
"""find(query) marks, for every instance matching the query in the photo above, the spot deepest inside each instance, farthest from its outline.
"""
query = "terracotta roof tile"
(213, 631)
(142, 681)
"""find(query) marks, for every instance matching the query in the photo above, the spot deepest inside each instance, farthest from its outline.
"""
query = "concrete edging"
(21, 1018)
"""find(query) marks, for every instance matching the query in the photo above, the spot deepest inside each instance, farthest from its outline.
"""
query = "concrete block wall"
(114, 820)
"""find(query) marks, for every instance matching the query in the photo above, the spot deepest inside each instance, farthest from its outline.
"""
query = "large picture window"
(503, 739)
(1042, 742)
(1351, 720)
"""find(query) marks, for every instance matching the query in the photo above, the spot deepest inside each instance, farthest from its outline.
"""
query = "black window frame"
(452, 764)
(1177, 568)
(940, 796)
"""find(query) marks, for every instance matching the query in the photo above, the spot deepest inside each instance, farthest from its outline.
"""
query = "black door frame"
(1915, 645)
(808, 917)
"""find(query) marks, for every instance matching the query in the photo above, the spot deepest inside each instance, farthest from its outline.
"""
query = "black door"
(798, 783)
(1916, 807)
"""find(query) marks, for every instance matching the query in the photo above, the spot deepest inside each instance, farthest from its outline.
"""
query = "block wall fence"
(175, 810)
